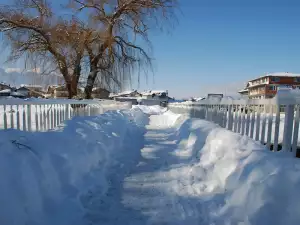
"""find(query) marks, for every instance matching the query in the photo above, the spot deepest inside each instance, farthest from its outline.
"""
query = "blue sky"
(218, 45)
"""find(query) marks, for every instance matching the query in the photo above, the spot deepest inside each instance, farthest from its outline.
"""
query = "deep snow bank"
(235, 179)
(45, 177)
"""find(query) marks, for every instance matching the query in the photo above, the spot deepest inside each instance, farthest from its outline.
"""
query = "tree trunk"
(90, 84)
(72, 88)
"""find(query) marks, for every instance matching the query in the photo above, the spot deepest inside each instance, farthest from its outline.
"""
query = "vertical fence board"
(257, 125)
(288, 127)
(36, 119)
(18, 118)
(296, 131)
(276, 132)
(4, 117)
(12, 124)
(263, 126)
(29, 118)
(270, 123)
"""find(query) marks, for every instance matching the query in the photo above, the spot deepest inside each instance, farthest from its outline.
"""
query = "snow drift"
(47, 177)
(226, 178)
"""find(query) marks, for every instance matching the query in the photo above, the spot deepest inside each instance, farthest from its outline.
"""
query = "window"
(272, 88)
(275, 79)
(297, 79)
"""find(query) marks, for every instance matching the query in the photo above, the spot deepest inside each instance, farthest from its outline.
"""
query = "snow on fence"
(261, 120)
(42, 115)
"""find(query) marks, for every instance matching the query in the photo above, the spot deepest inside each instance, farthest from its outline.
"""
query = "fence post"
(29, 117)
(276, 132)
(257, 128)
(296, 131)
(36, 119)
(18, 118)
(4, 117)
(263, 127)
(270, 123)
(12, 125)
(230, 118)
(288, 127)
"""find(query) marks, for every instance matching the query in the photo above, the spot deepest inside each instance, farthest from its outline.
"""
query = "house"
(33, 87)
(100, 93)
(267, 85)
(132, 93)
(155, 94)
(59, 91)
(23, 91)
(4, 86)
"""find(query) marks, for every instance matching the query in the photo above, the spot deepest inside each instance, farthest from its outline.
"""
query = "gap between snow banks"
(46, 178)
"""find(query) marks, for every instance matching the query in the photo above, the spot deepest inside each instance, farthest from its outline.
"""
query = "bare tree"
(34, 31)
(121, 23)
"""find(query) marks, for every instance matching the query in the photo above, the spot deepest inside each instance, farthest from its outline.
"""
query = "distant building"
(4, 86)
(266, 86)
(132, 93)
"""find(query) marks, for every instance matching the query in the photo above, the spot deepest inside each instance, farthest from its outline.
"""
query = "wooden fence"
(261, 120)
(42, 115)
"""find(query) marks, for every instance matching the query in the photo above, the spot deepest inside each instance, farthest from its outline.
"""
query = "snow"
(283, 74)
(46, 178)
(145, 166)
(6, 91)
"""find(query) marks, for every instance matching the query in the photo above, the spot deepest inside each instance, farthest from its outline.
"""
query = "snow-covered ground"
(156, 167)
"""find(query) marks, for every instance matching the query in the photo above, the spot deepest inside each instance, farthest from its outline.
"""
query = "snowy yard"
(144, 166)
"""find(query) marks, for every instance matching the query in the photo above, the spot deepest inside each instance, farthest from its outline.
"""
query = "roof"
(277, 74)
(244, 90)
(99, 88)
(122, 93)
(6, 91)
(31, 86)
(154, 92)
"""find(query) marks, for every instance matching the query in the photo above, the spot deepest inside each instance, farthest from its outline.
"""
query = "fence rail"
(261, 120)
(42, 115)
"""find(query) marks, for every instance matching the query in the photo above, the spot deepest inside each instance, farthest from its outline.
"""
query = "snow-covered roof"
(122, 93)
(17, 94)
(277, 74)
(5, 91)
(31, 86)
(151, 92)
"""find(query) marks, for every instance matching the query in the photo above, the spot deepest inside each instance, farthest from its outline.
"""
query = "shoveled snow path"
(150, 189)
(144, 194)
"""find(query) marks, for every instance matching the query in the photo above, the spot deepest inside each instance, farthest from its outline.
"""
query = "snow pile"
(152, 110)
(194, 172)
(236, 179)
(47, 178)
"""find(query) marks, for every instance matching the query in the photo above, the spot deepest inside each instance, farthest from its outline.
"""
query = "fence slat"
(270, 123)
(257, 127)
(296, 130)
(36, 119)
(252, 124)
(263, 127)
(4, 117)
(288, 127)
(276, 132)
(18, 117)
(248, 121)
(12, 124)
(29, 118)
(41, 119)
(24, 118)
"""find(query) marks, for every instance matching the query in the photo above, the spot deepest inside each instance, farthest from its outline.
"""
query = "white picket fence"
(43, 115)
(262, 120)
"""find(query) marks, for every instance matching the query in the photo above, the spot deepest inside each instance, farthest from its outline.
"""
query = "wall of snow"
(231, 179)
(46, 177)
